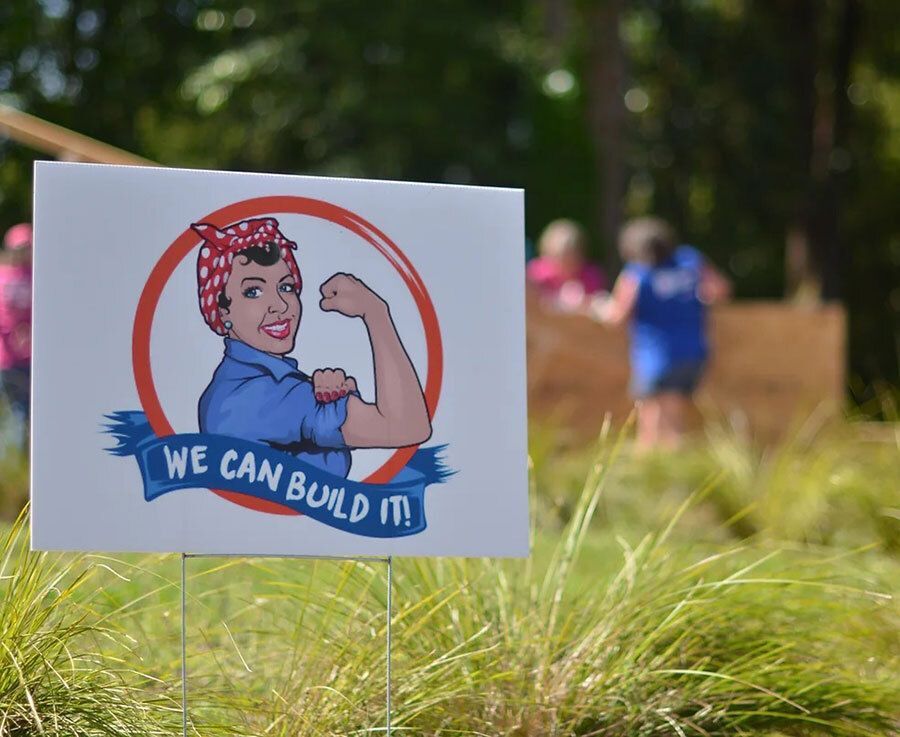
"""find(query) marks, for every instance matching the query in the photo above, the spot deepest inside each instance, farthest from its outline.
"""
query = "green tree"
(765, 131)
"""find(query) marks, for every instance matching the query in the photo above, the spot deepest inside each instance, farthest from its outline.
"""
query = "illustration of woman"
(249, 291)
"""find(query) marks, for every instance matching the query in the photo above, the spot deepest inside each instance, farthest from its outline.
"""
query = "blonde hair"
(646, 240)
(562, 237)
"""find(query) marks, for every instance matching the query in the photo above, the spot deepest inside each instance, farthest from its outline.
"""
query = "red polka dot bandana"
(217, 253)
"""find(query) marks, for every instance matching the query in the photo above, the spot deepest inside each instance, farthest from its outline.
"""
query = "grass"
(723, 591)
(53, 678)
(827, 485)
(13, 481)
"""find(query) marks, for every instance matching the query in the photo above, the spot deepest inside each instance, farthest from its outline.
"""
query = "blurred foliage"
(827, 485)
(13, 482)
(716, 136)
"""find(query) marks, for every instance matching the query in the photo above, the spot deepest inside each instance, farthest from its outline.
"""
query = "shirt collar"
(278, 366)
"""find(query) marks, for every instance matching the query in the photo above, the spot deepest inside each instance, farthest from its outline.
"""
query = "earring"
(227, 324)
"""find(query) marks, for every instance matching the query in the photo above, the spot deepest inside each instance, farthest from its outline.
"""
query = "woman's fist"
(349, 296)
(331, 384)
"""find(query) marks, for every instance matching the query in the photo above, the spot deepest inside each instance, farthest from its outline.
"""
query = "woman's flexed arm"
(398, 417)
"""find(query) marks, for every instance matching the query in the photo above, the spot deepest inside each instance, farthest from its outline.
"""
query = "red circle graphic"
(256, 207)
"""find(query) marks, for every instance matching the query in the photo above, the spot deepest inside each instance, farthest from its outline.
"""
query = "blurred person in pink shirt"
(15, 326)
(561, 274)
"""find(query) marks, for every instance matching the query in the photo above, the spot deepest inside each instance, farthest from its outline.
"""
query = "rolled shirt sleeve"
(283, 412)
(323, 424)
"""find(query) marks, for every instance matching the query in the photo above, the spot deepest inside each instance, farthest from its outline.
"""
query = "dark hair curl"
(265, 255)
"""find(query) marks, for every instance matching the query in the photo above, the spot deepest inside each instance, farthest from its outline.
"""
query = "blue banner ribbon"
(205, 461)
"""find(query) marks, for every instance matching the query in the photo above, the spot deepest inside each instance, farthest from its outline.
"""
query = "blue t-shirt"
(668, 326)
(256, 396)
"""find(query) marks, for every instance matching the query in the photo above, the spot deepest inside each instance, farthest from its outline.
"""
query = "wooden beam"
(61, 142)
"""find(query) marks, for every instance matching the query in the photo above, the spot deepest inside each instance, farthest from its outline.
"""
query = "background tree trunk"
(833, 125)
(801, 25)
(557, 27)
(606, 110)
(815, 258)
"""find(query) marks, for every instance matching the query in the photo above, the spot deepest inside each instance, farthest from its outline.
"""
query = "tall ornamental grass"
(53, 679)
(828, 484)
(742, 641)
(666, 633)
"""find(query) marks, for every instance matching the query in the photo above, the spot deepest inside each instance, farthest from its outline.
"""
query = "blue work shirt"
(668, 326)
(256, 396)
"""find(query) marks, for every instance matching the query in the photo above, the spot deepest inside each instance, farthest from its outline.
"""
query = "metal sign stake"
(390, 588)
(184, 707)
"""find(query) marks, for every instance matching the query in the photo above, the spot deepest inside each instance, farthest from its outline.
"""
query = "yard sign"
(255, 364)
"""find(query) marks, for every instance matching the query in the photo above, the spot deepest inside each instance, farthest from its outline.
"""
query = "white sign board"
(258, 364)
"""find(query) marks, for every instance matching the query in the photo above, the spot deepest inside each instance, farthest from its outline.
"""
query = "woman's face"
(265, 308)
(562, 248)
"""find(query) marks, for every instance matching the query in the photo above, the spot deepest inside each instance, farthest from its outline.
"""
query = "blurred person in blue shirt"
(662, 293)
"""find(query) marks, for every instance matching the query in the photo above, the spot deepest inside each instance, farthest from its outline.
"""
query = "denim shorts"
(681, 378)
